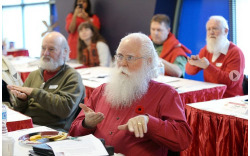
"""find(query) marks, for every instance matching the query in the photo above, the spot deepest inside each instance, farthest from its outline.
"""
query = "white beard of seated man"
(216, 44)
(123, 89)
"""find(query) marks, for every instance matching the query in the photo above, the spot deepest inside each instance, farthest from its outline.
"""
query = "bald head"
(57, 39)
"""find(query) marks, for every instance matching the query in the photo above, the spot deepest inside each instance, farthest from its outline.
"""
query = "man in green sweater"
(51, 94)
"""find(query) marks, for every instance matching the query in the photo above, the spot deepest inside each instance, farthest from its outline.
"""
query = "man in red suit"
(171, 52)
(133, 113)
(222, 61)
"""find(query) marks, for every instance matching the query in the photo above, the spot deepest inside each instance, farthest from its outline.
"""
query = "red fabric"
(203, 95)
(73, 37)
(216, 134)
(17, 125)
(48, 75)
(167, 128)
(233, 60)
(18, 53)
(173, 48)
(24, 75)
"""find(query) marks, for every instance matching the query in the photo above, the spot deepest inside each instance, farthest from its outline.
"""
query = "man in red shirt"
(132, 113)
(222, 61)
(170, 51)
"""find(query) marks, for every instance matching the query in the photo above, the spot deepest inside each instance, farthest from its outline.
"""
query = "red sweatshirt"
(167, 126)
(173, 48)
(218, 71)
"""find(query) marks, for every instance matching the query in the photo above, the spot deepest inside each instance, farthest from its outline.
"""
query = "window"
(22, 23)
(242, 29)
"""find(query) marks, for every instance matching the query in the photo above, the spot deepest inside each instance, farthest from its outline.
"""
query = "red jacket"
(218, 71)
(172, 48)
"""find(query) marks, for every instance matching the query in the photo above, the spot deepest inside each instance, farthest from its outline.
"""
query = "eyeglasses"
(128, 58)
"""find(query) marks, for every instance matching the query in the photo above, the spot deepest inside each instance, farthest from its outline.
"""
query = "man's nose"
(46, 52)
(123, 62)
(211, 31)
(155, 32)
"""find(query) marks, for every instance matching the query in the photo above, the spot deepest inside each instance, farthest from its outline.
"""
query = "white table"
(22, 149)
(219, 127)
(17, 121)
(190, 91)
(24, 65)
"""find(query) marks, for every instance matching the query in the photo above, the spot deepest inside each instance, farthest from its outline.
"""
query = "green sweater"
(54, 103)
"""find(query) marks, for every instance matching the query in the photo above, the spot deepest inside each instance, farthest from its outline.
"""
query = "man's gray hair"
(147, 50)
(221, 19)
(65, 46)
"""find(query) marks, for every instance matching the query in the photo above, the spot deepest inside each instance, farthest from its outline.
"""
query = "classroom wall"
(118, 18)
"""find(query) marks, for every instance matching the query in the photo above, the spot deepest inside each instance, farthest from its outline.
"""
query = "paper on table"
(237, 108)
(87, 145)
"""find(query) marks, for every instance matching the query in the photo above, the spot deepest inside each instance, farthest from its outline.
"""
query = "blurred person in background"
(92, 47)
(9, 77)
(51, 94)
(81, 13)
(222, 61)
(172, 53)
(133, 113)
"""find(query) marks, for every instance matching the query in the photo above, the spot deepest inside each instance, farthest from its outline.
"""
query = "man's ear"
(149, 61)
(64, 53)
(226, 31)
(169, 29)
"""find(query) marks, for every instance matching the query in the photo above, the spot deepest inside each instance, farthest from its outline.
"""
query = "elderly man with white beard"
(222, 61)
(133, 113)
(51, 94)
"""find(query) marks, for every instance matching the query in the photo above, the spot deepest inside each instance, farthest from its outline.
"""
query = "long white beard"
(123, 90)
(50, 65)
(216, 45)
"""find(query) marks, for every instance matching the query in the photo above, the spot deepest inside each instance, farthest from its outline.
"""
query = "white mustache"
(123, 70)
(46, 57)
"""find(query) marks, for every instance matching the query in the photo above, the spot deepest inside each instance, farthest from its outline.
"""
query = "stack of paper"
(87, 145)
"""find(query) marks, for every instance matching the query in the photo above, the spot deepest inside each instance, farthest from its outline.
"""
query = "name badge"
(53, 86)
(218, 64)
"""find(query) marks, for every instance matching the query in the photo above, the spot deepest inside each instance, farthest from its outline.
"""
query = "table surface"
(190, 91)
(95, 76)
(29, 64)
(219, 127)
(22, 149)
(13, 116)
(235, 106)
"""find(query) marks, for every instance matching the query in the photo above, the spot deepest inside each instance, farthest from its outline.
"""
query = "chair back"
(245, 85)
(70, 119)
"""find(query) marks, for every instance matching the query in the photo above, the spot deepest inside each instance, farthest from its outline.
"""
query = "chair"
(172, 153)
(72, 117)
(245, 85)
